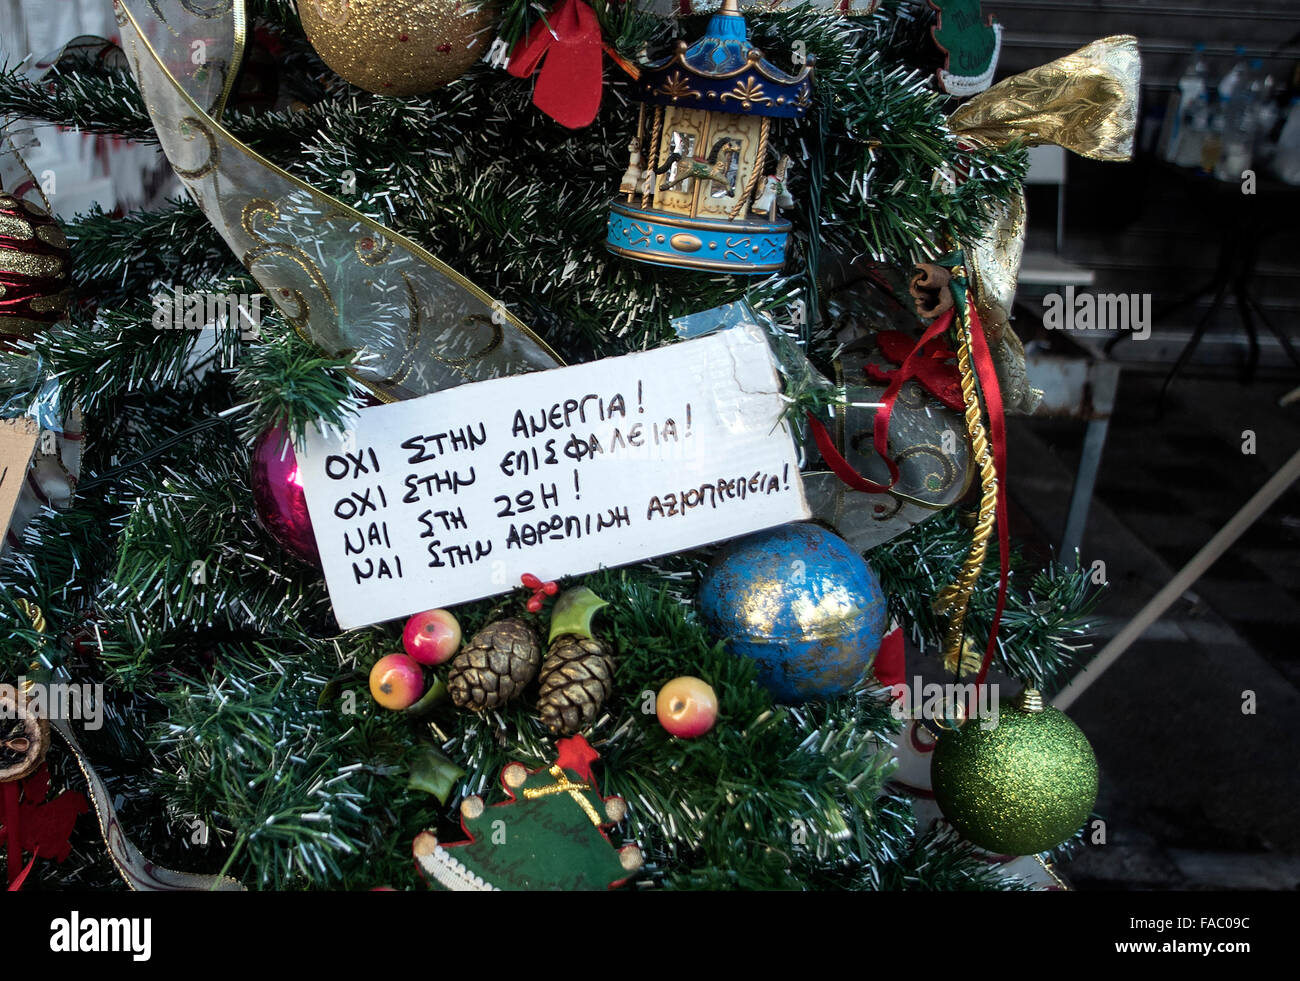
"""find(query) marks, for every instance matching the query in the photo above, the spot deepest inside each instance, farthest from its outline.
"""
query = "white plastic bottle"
(1237, 142)
(1286, 162)
(1234, 78)
(1264, 102)
(1195, 129)
(1194, 83)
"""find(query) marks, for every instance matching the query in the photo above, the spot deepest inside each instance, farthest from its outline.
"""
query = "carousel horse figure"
(634, 177)
(709, 168)
(775, 192)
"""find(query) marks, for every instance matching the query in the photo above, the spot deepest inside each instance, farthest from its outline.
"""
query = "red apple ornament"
(432, 637)
(396, 681)
(687, 707)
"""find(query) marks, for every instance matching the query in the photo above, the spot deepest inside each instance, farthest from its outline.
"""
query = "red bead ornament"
(540, 591)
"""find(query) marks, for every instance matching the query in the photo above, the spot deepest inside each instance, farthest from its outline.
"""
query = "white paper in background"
(453, 496)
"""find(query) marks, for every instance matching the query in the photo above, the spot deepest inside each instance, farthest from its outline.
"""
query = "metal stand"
(1081, 388)
(1243, 221)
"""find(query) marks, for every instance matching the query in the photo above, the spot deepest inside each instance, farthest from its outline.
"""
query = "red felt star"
(890, 666)
(577, 755)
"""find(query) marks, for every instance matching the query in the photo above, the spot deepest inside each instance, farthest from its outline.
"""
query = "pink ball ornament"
(432, 637)
(278, 496)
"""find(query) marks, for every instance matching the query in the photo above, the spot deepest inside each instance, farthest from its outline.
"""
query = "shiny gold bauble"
(399, 47)
(1020, 788)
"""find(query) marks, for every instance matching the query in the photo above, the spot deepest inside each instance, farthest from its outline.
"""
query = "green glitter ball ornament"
(1020, 788)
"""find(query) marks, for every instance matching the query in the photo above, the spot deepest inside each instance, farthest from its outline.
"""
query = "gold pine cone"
(495, 666)
(577, 678)
(24, 736)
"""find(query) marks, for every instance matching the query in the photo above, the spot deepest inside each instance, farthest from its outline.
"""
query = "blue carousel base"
(746, 247)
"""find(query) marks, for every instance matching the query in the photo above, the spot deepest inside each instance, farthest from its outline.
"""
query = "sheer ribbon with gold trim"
(344, 281)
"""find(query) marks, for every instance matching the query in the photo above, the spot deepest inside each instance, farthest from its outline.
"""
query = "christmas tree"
(237, 736)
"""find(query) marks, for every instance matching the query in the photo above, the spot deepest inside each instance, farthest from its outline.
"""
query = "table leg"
(1252, 335)
(1214, 285)
(1276, 331)
(1085, 481)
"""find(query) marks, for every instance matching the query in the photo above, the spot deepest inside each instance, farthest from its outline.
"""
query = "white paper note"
(453, 496)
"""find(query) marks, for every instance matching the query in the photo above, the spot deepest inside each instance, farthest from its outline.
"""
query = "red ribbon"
(17, 884)
(880, 425)
(988, 377)
(935, 371)
(569, 85)
(13, 833)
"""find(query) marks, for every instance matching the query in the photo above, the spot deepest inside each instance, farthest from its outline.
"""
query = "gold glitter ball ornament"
(399, 47)
(1020, 788)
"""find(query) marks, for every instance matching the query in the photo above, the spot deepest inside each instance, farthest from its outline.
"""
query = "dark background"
(1196, 793)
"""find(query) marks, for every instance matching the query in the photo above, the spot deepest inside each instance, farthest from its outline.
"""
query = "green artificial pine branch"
(88, 98)
(121, 259)
(285, 381)
(1046, 621)
(235, 703)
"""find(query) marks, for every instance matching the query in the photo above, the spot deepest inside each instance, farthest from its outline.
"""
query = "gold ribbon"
(1085, 102)
(954, 600)
(564, 785)
(344, 281)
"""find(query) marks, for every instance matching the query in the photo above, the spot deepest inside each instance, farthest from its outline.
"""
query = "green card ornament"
(550, 834)
(971, 42)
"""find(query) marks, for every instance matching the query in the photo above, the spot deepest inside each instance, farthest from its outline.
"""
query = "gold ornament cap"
(1030, 700)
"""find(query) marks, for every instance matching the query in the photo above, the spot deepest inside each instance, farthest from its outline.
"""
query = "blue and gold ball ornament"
(802, 603)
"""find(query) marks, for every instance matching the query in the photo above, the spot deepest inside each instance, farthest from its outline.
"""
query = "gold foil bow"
(1085, 102)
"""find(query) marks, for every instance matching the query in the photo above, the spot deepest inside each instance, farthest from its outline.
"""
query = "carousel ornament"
(705, 199)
